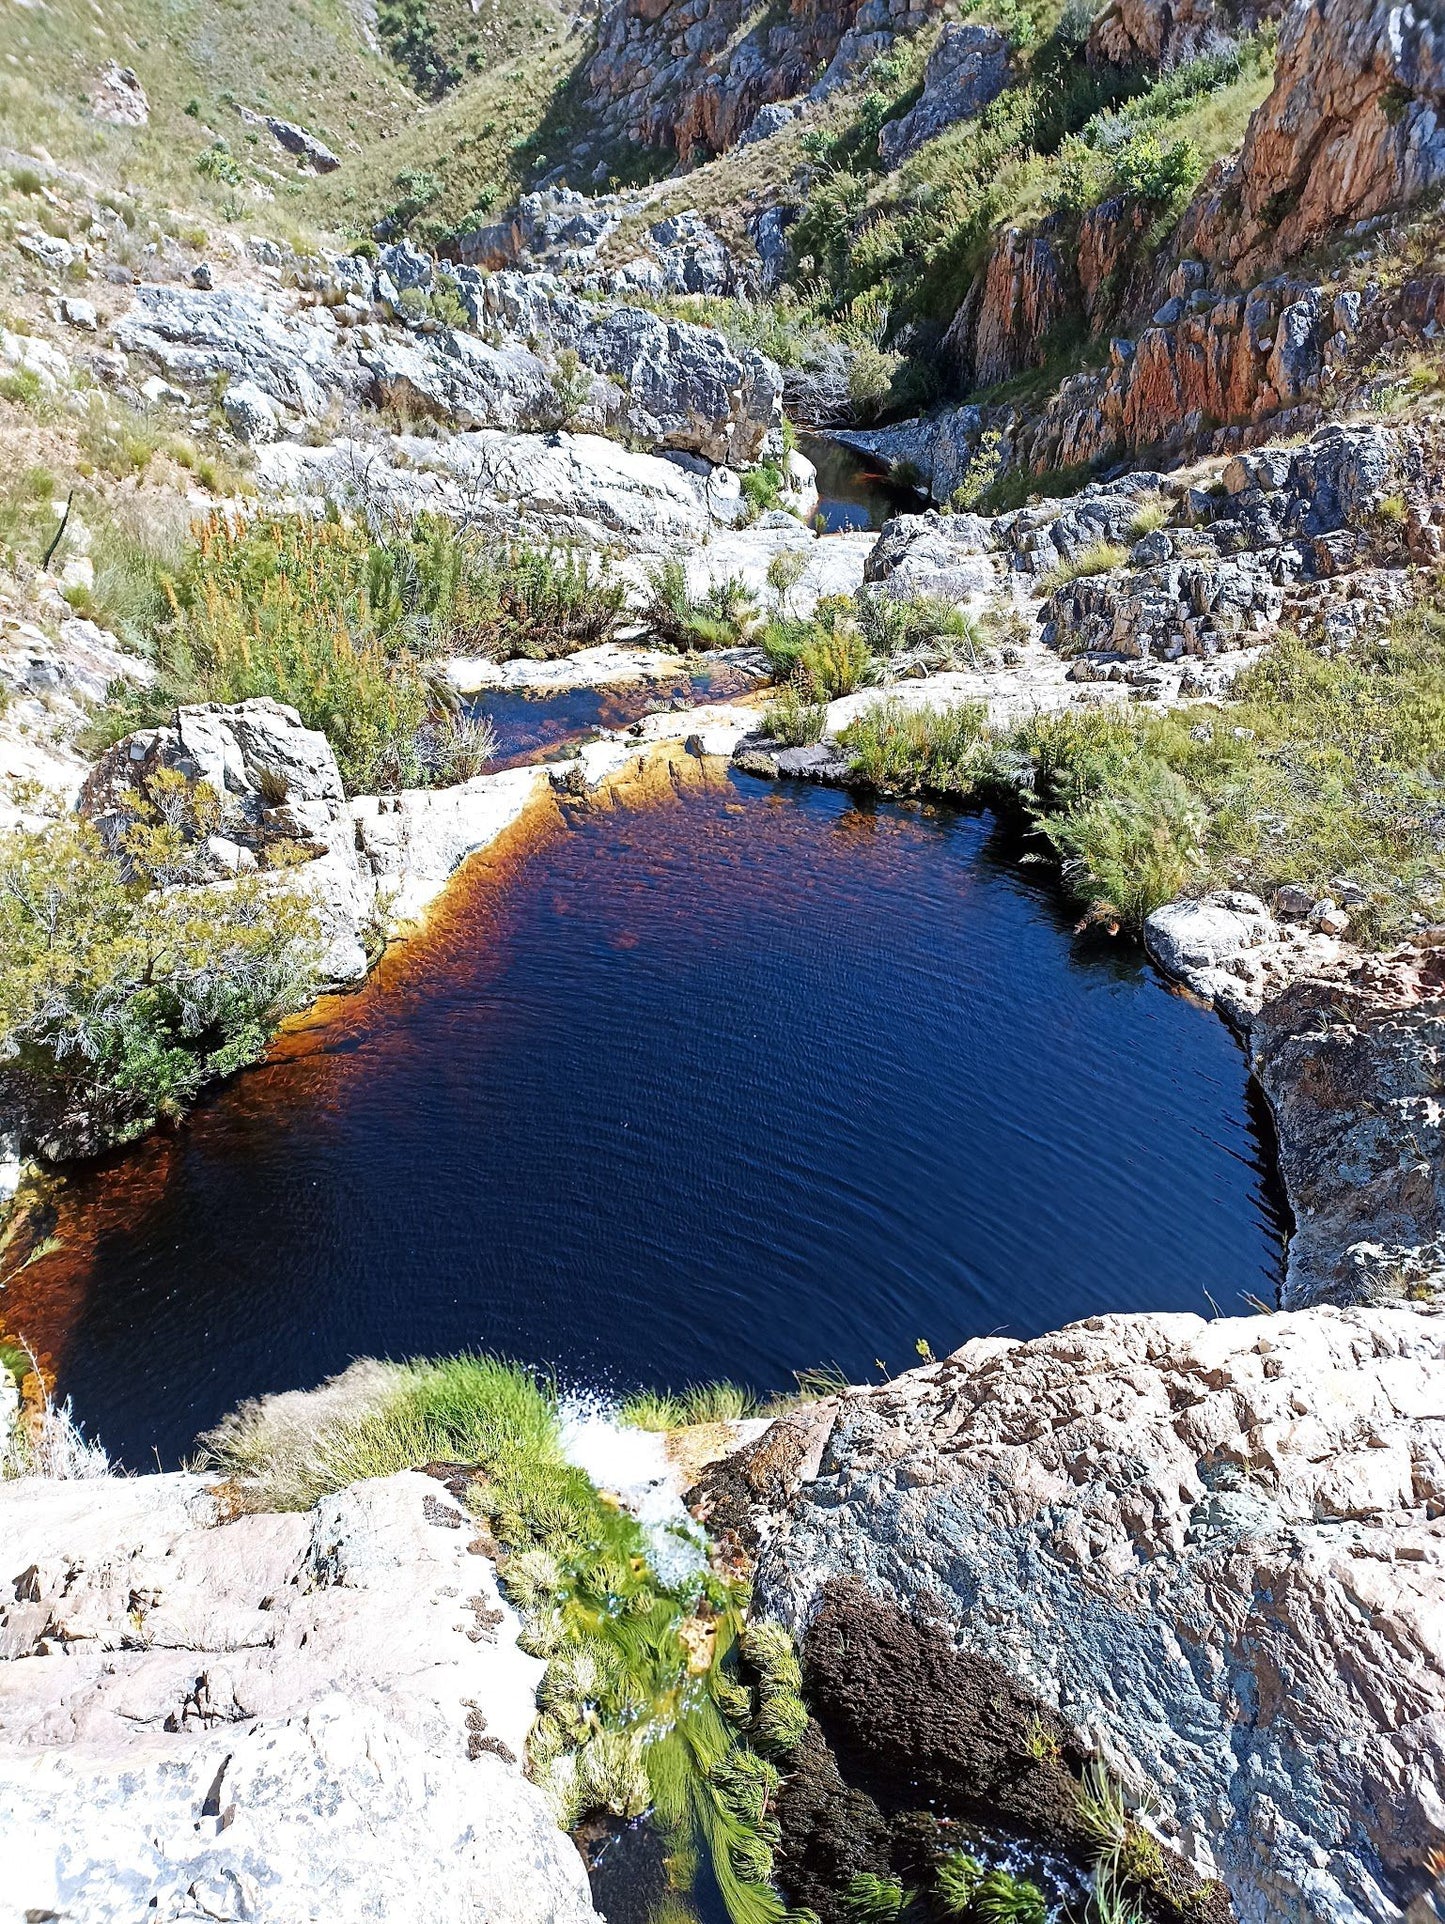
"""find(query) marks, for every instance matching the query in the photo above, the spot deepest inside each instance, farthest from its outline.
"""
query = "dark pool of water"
(530, 728)
(732, 1083)
(853, 491)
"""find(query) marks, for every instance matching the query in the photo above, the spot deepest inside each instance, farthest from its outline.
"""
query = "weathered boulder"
(283, 1717)
(692, 257)
(578, 487)
(271, 775)
(679, 385)
(934, 554)
(1211, 1548)
(197, 334)
(119, 98)
(967, 68)
(250, 413)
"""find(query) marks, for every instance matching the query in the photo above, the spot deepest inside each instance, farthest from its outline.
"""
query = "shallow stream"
(533, 727)
(731, 1081)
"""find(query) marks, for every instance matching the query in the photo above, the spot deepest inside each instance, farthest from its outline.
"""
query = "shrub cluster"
(118, 1002)
(340, 622)
(1323, 770)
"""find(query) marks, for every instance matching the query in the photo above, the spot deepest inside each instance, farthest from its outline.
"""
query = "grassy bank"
(1322, 772)
(656, 1695)
(346, 624)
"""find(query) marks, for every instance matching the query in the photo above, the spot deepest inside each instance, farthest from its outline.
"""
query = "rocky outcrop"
(279, 794)
(1211, 374)
(1210, 1549)
(692, 74)
(669, 384)
(1162, 33)
(279, 1717)
(1351, 130)
(578, 487)
(967, 68)
(119, 98)
(1350, 1051)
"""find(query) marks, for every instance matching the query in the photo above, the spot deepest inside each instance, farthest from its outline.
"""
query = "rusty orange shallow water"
(718, 1079)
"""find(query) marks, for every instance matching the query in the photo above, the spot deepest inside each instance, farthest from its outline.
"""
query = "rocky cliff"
(1212, 1549)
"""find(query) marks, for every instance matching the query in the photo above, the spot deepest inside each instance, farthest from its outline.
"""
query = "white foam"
(634, 1466)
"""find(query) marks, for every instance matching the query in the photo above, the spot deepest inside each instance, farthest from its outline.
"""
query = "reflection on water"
(854, 492)
(530, 728)
(732, 1083)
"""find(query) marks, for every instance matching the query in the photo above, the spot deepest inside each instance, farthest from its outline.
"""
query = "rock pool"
(727, 1080)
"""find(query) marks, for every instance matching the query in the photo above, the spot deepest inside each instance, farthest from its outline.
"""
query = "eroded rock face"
(1350, 1051)
(1351, 129)
(1130, 33)
(119, 98)
(1211, 1548)
(288, 1717)
(692, 74)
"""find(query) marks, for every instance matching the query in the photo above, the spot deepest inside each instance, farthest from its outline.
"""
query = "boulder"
(578, 487)
(693, 259)
(314, 1716)
(1209, 1548)
(250, 413)
(118, 97)
(317, 155)
(967, 68)
(197, 334)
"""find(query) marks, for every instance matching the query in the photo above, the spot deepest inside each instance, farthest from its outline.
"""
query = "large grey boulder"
(680, 385)
(316, 1716)
(967, 69)
(577, 487)
(1210, 1546)
(197, 334)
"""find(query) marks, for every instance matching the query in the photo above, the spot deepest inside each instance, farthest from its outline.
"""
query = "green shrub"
(791, 720)
(339, 623)
(1099, 558)
(723, 617)
(217, 164)
(762, 488)
(119, 1002)
(906, 750)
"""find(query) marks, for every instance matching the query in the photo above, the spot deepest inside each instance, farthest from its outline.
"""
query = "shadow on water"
(732, 1083)
(854, 492)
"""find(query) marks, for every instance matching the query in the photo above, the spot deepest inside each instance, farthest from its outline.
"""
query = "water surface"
(532, 728)
(854, 492)
(731, 1083)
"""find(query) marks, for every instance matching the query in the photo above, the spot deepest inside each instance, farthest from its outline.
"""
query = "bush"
(724, 617)
(339, 623)
(1099, 558)
(118, 1002)
(906, 750)
(794, 722)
